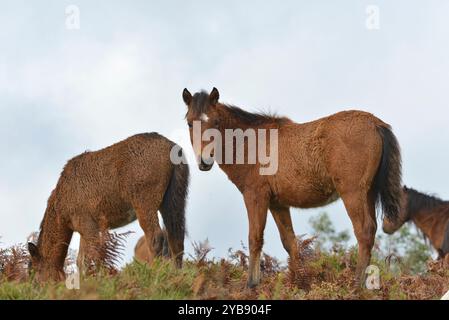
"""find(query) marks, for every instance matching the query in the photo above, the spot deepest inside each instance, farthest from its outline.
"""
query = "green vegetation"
(407, 247)
(327, 237)
(326, 272)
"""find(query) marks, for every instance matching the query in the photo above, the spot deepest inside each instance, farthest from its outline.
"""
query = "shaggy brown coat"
(108, 189)
(429, 213)
(351, 154)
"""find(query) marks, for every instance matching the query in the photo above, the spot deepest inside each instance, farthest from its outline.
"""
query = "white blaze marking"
(204, 117)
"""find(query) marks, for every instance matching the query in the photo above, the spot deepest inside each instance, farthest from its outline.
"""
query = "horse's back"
(145, 163)
(150, 150)
(317, 155)
(307, 148)
(105, 179)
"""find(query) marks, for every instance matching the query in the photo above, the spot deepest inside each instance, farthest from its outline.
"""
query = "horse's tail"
(387, 183)
(174, 201)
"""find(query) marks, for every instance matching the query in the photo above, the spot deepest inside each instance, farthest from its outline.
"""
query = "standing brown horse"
(352, 155)
(108, 189)
(430, 214)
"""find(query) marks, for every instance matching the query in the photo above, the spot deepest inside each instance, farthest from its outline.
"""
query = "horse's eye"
(190, 124)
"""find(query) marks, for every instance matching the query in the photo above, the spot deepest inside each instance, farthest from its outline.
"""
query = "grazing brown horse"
(141, 252)
(429, 213)
(108, 189)
(351, 154)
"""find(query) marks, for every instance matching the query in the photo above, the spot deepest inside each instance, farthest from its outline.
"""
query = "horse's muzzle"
(205, 165)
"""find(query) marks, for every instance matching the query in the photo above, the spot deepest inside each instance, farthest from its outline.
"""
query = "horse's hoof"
(251, 284)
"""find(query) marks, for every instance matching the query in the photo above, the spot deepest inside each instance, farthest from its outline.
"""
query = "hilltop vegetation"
(326, 272)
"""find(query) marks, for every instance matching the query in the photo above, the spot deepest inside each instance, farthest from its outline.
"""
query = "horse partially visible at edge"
(141, 252)
(350, 155)
(429, 213)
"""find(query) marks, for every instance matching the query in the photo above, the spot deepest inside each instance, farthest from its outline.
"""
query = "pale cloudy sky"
(65, 91)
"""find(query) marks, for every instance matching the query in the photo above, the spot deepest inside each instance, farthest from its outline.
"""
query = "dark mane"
(417, 201)
(258, 118)
(200, 104)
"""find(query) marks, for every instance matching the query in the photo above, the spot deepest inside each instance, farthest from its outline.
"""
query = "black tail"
(174, 202)
(387, 183)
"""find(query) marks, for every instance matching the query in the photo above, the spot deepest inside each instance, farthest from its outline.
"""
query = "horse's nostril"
(203, 166)
(206, 162)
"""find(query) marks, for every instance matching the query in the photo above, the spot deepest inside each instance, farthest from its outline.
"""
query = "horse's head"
(389, 226)
(42, 270)
(202, 116)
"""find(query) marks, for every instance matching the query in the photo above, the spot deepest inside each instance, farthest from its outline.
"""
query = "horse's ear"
(187, 97)
(214, 96)
(34, 251)
(405, 188)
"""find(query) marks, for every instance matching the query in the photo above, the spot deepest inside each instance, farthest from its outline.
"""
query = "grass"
(321, 275)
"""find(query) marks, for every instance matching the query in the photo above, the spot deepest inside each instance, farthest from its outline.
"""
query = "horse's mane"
(201, 103)
(417, 201)
(258, 118)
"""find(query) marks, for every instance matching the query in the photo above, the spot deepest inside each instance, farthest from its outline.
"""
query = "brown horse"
(141, 252)
(352, 155)
(108, 189)
(429, 213)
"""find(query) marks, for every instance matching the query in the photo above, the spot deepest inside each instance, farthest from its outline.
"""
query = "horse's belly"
(122, 219)
(306, 201)
(306, 195)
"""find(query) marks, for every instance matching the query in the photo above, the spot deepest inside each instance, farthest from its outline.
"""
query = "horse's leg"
(81, 258)
(89, 243)
(360, 206)
(283, 221)
(149, 222)
(257, 207)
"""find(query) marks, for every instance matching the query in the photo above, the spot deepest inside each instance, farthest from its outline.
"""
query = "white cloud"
(63, 92)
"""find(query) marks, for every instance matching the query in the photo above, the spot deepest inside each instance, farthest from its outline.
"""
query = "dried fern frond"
(200, 251)
(239, 258)
(270, 265)
(14, 263)
(299, 273)
(105, 252)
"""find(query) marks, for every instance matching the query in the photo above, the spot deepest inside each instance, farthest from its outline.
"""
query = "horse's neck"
(230, 120)
(432, 224)
(54, 239)
(235, 173)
